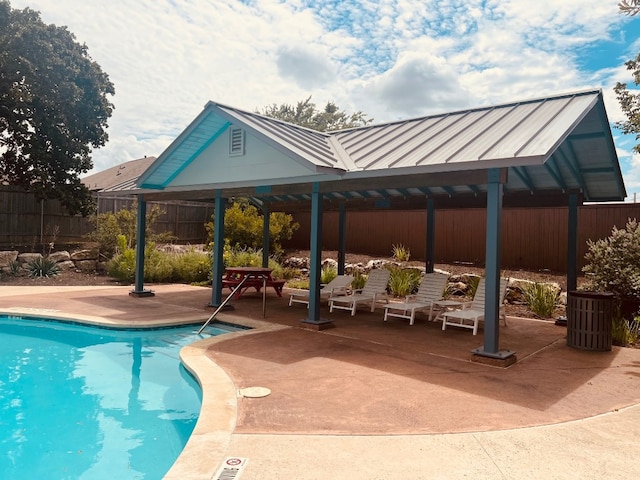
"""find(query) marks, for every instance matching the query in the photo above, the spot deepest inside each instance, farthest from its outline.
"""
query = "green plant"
(42, 267)
(401, 253)
(328, 273)
(541, 298)
(404, 281)
(192, 266)
(243, 227)
(14, 268)
(302, 284)
(359, 279)
(108, 226)
(625, 333)
(613, 264)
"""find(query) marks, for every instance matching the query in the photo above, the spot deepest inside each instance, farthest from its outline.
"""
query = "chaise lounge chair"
(336, 287)
(374, 289)
(430, 290)
(473, 312)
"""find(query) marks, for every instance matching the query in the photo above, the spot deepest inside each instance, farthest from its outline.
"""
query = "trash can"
(589, 320)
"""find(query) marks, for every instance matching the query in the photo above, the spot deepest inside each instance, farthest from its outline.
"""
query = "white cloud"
(389, 58)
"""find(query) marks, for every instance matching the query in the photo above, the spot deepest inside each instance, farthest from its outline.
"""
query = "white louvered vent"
(236, 141)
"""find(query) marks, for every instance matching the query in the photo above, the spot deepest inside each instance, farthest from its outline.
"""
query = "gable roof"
(120, 174)
(547, 146)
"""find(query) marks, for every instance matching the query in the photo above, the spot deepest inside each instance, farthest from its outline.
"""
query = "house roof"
(125, 173)
(547, 148)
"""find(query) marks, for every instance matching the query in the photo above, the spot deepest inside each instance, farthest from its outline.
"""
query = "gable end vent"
(236, 141)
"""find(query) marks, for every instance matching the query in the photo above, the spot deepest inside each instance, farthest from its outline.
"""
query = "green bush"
(359, 279)
(404, 281)
(243, 227)
(625, 333)
(541, 298)
(613, 263)
(192, 266)
(401, 253)
(328, 273)
(42, 267)
(108, 226)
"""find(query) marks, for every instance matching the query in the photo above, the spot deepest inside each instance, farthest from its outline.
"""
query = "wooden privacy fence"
(27, 221)
(532, 238)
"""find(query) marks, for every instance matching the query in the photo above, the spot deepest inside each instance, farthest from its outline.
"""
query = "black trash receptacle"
(589, 320)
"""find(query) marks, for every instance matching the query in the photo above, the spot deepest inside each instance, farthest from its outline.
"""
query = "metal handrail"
(213, 315)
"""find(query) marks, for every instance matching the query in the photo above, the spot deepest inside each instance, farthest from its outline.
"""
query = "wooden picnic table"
(256, 277)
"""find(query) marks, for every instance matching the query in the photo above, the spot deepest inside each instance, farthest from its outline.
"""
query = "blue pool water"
(81, 402)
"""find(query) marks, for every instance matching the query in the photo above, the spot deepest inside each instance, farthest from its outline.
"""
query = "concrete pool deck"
(375, 400)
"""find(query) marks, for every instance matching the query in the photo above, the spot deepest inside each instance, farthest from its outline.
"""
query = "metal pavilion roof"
(547, 147)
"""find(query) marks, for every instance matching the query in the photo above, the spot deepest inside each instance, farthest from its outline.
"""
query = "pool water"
(81, 402)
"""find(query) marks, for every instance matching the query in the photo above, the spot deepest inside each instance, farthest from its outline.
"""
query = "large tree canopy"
(306, 114)
(53, 108)
(630, 101)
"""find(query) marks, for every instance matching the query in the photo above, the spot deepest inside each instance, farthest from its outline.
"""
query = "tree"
(53, 108)
(629, 7)
(630, 102)
(306, 114)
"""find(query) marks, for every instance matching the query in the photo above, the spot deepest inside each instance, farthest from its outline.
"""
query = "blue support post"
(266, 222)
(141, 228)
(431, 236)
(492, 270)
(218, 250)
(313, 320)
(342, 238)
(572, 244)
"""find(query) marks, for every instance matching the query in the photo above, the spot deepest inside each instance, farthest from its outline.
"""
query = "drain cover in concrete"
(255, 392)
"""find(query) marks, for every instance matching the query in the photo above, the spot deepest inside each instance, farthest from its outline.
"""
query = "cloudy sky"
(391, 59)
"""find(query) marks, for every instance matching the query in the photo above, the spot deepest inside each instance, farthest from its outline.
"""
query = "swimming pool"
(80, 402)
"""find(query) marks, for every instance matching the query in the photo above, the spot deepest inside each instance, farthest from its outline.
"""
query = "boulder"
(86, 265)
(330, 263)
(66, 265)
(7, 257)
(28, 257)
(61, 256)
(85, 254)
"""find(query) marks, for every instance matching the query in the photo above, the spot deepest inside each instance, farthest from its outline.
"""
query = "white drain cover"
(255, 392)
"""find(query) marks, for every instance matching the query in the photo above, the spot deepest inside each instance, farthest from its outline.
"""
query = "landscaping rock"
(86, 265)
(330, 263)
(66, 265)
(86, 254)
(7, 257)
(297, 262)
(61, 256)
(28, 257)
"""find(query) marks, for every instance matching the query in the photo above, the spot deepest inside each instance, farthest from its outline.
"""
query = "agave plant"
(42, 267)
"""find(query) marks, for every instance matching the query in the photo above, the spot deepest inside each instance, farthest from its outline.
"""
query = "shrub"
(42, 267)
(613, 263)
(302, 284)
(541, 298)
(625, 333)
(328, 273)
(192, 266)
(359, 279)
(108, 226)
(404, 281)
(401, 253)
(243, 227)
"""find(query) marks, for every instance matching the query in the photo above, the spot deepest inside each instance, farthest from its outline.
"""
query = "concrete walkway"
(375, 400)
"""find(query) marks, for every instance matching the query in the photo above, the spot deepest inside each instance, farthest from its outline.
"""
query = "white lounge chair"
(430, 290)
(340, 285)
(374, 290)
(472, 313)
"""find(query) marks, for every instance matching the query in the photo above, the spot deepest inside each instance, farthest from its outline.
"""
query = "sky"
(391, 59)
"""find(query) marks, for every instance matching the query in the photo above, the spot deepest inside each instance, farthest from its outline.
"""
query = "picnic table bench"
(255, 278)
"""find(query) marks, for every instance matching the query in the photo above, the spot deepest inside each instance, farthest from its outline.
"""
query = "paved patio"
(370, 399)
